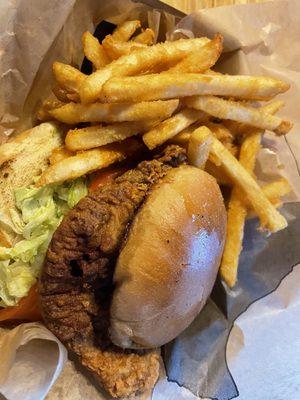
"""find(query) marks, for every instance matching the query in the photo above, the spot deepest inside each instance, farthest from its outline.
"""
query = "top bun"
(167, 268)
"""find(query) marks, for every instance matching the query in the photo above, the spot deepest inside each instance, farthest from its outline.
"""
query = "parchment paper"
(259, 39)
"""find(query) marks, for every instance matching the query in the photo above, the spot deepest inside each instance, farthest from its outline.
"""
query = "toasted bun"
(168, 266)
(21, 159)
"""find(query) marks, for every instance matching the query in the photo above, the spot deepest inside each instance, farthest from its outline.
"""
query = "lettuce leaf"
(40, 211)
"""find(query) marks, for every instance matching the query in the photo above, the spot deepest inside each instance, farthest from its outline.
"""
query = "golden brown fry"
(201, 60)
(87, 161)
(167, 86)
(170, 127)
(237, 212)
(124, 31)
(149, 59)
(146, 37)
(94, 51)
(60, 154)
(116, 49)
(273, 191)
(182, 138)
(220, 131)
(44, 113)
(239, 128)
(218, 173)
(238, 111)
(97, 135)
(68, 77)
(277, 189)
(269, 216)
(73, 113)
(61, 94)
(212, 72)
(198, 149)
(234, 150)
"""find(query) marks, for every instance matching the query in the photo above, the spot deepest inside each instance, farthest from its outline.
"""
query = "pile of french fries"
(142, 93)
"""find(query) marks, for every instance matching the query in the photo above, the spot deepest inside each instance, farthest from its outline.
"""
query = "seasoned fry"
(124, 31)
(146, 37)
(68, 77)
(61, 94)
(170, 127)
(73, 113)
(239, 128)
(219, 130)
(149, 59)
(201, 60)
(60, 154)
(198, 149)
(269, 216)
(48, 105)
(277, 189)
(182, 138)
(218, 173)
(273, 191)
(87, 161)
(167, 86)
(116, 49)
(237, 212)
(94, 51)
(212, 72)
(97, 135)
(237, 111)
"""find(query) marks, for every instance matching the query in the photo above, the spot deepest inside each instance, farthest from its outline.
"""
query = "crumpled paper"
(31, 354)
(259, 39)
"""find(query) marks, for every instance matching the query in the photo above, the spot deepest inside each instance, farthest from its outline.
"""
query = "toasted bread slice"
(21, 159)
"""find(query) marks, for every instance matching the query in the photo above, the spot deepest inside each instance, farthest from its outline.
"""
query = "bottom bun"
(167, 268)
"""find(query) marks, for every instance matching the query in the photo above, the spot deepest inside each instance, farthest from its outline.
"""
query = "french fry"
(170, 127)
(198, 149)
(68, 77)
(239, 128)
(97, 135)
(231, 147)
(48, 105)
(146, 37)
(201, 60)
(237, 111)
(167, 86)
(277, 189)
(60, 154)
(273, 191)
(237, 212)
(218, 173)
(116, 49)
(124, 31)
(182, 138)
(269, 216)
(219, 130)
(94, 51)
(211, 72)
(149, 59)
(60, 94)
(73, 113)
(87, 161)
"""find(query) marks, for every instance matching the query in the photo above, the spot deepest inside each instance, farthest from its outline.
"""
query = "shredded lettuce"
(40, 211)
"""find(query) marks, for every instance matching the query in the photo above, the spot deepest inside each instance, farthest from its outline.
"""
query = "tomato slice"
(27, 308)
(106, 176)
